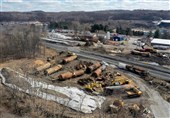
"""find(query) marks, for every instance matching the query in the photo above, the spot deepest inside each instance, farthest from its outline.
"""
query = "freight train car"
(134, 69)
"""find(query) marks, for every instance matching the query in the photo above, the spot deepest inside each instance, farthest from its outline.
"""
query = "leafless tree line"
(18, 42)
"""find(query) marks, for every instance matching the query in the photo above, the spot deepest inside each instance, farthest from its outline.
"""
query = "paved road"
(160, 107)
(158, 71)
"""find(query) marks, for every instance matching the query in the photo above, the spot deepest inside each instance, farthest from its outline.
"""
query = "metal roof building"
(162, 43)
(164, 23)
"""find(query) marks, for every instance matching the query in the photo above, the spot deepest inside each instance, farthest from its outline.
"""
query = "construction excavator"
(120, 80)
(94, 87)
(134, 92)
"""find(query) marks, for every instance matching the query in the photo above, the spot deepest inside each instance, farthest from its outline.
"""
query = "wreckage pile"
(97, 80)
(149, 55)
(91, 78)
(147, 52)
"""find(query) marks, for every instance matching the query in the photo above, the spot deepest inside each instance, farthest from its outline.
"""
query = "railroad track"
(157, 71)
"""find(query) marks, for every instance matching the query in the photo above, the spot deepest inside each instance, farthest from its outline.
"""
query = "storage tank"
(52, 70)
(108, 36)
(69, 59)
(78, 73)
(43, 67)
(66, 75)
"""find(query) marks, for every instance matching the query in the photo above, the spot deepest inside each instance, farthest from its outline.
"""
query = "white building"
(162, 23)
(160, 43)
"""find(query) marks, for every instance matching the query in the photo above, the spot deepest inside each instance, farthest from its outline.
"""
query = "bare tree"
(19, 42)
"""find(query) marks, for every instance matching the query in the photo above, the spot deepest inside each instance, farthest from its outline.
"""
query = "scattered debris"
(38, 63)
(134, 109)
(147, 50)
(93, 67)
(145, 54)
(97, 72)
(116, 106)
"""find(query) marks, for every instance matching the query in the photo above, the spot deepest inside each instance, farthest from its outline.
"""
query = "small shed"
(119, 38)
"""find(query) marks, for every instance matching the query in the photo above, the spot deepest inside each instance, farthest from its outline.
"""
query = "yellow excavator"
(133, 92)
(94, 87)
(120, 80)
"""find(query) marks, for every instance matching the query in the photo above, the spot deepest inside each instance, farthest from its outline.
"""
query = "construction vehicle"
(133, 92)
(94, 87)
(120, 80)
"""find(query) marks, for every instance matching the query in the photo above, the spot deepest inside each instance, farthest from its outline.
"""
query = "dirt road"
(160, 107)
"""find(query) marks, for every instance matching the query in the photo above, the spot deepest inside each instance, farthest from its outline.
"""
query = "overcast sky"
(82, 5)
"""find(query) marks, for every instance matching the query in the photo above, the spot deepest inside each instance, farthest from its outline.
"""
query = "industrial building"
(164, 23)
(161, 43)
